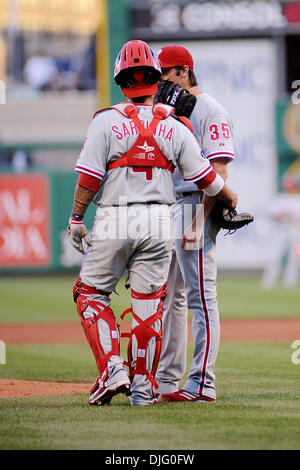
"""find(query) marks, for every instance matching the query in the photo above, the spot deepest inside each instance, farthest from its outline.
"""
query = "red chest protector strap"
(145, 152)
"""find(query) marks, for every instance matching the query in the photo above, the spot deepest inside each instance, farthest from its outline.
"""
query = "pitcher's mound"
(24, 388)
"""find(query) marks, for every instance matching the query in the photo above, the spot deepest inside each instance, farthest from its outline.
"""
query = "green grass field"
(49, 299)
(258, 404)
(257, 408)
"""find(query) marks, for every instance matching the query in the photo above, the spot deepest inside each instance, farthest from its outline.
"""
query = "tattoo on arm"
(82, 199)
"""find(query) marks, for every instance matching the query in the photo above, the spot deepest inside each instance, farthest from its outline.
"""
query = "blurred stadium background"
(56, 59)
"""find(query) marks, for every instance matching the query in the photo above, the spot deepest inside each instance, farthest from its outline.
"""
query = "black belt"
(143, 203)
(187, 193)
(153, 202)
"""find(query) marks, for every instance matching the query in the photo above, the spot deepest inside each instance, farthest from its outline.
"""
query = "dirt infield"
(54, 333)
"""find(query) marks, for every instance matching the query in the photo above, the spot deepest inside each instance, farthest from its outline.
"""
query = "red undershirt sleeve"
(89, 182)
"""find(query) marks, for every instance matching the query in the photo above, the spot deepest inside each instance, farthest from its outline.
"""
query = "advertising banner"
(202, 19)
(34, 214)
(25, 221)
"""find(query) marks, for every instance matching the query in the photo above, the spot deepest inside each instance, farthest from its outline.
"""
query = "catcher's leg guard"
(144, 345)
(102, 332)
(100, 328)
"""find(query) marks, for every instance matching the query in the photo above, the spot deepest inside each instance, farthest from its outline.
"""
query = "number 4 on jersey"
(215, 131)
(144, 169)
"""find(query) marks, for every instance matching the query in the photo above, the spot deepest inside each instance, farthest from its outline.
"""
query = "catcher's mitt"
(176, 96)
(229, 219)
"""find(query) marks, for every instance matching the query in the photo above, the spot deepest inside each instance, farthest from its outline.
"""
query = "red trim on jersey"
(100, 111)
(220, 154)
(207, 180)
(89, 171)
(187, 123)
(200, 175)
(204, 179)
(206, 317)
(113, 107)
(89, 182)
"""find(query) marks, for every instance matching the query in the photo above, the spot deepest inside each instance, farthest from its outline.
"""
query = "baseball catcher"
(125, 168)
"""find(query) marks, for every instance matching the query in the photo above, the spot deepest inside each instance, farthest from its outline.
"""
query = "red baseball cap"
(173, 56)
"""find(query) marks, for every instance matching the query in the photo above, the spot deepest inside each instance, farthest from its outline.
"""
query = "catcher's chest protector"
(145, 152)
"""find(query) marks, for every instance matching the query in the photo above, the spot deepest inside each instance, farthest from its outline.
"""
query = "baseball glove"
(176, 96)
(229, 219)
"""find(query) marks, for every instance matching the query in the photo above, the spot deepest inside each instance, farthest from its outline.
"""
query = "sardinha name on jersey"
(129, 128)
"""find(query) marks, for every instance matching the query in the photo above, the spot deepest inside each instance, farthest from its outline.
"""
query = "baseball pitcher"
(193, 273)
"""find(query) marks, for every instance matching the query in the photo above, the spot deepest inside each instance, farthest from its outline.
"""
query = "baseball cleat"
(183, 395)
(137, 401)
(102, 394)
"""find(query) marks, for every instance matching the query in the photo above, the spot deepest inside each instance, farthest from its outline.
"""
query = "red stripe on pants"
(206, 320)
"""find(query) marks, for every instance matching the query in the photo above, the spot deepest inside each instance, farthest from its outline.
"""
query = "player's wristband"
(76, 217)
(215, 187)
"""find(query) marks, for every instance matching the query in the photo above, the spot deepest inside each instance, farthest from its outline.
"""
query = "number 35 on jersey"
(221, 130)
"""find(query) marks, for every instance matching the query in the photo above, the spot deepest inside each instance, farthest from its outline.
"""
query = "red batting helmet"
(137, 69)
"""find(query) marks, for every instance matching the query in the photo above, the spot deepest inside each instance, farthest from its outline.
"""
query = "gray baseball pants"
(137, 238)
(192, 275)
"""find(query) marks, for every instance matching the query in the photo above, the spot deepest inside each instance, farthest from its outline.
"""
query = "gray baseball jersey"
(111, 134)
(213, 131)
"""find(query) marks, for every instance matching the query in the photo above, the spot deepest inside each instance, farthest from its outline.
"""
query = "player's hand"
(191, 241)
(192, 237)
(77, 232)
(185, 241)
